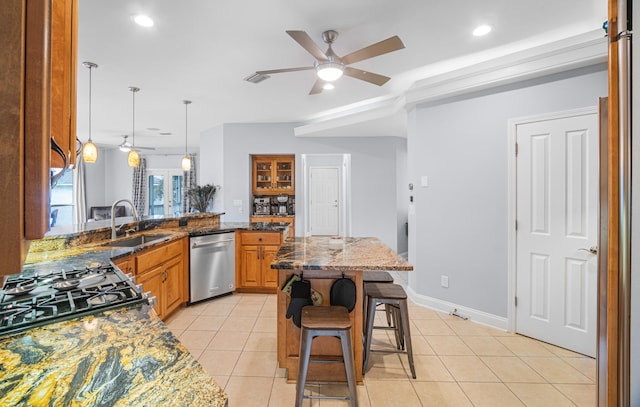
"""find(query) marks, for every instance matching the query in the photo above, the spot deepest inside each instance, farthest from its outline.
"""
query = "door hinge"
(516, 225)
(516, 301)
(516, 149)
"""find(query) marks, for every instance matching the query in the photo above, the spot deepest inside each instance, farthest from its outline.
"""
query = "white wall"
(211, 164)
(461, 217)
(373, 164)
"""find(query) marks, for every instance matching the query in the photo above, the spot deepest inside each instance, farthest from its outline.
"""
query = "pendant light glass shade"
(133, 159)
(89, 150)
(186, 161)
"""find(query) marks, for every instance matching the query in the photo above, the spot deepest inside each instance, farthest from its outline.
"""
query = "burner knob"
(132, 279)
(153, 301)
(139, 288)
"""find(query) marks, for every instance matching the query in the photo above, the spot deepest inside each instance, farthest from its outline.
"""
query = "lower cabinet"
(255, 252)
(162, 270)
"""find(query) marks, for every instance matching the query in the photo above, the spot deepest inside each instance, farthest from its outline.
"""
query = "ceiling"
(201, 50)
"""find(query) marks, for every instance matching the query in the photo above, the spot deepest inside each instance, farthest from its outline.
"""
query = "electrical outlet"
(444, 281)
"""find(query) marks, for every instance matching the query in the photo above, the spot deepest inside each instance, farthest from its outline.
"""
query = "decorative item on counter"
(316, 297)
(336, 242)
(201, 196)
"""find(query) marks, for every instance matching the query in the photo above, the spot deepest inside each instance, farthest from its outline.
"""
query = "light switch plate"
(237, 202)
(424, 181)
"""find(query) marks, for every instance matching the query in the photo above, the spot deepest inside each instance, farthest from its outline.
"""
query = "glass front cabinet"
(273, 174)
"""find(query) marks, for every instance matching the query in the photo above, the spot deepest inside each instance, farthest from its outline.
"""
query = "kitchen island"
(322, 261)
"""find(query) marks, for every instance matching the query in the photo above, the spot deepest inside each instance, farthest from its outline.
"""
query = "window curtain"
(139, 187)
(188, 181)
(80, 191)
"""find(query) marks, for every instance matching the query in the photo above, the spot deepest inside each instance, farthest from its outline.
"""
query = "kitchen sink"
(137, 240)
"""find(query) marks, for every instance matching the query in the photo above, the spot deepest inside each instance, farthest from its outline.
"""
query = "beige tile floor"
(458, 363)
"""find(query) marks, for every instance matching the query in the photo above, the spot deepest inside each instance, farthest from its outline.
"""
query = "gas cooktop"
(36, 298)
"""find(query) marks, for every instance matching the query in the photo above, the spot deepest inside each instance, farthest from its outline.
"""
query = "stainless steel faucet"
(113, 210)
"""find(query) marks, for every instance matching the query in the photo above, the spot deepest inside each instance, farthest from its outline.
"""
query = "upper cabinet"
(27, 112)
(64, 43)
(273, 174)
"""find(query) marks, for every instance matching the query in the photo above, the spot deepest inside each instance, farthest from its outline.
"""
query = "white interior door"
(557, 198)
(324, 202)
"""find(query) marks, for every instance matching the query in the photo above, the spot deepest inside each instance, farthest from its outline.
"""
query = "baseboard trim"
(479, 317)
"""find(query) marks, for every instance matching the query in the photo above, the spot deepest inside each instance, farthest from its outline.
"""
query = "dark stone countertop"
(349, 253)
(123, 357)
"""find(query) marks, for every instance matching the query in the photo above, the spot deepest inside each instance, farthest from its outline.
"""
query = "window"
(62, 203)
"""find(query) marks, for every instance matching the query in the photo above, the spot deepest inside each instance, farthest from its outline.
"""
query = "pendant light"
(186, 161)
(89, 150)
(133, 159)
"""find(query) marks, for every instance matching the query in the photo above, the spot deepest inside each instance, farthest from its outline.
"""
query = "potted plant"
(201, 195)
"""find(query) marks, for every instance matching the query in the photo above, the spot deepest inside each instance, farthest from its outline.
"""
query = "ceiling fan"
(125, 146)
(330, 66)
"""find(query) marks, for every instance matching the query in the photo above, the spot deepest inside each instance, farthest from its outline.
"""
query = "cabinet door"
(64, 22)
(250, 270)
(152, 281)
(173, 284)
(262, 176)
(284, 175)
(269, 275)
(125, 265)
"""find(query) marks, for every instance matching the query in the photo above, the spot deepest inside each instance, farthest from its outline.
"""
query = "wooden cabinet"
(277, 219)
(255, 252)
(273, 174)
(163, 271)
(64, 43)
(126, 264)
(24, 114)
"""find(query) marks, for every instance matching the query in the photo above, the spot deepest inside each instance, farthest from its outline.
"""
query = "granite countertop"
(123, 357)
(349, 253)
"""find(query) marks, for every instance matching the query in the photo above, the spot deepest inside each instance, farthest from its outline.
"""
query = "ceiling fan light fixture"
(329, 71)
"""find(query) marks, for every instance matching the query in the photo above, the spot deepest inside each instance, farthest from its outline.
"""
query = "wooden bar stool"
(325, 321)
(394, 295)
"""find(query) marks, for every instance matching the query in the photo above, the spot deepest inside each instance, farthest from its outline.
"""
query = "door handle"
(593, 250)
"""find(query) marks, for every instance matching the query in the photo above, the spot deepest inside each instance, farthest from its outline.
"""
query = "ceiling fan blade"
(317, 87)
(385, 46)
(271, 71)
(307, 43)
(370, 77)
(144, 148)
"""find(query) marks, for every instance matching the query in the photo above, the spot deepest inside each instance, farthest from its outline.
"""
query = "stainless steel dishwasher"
(212, 269)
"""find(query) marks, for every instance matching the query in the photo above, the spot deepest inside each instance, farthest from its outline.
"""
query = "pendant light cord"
(133, 121)
(90, 69)
(186, 121)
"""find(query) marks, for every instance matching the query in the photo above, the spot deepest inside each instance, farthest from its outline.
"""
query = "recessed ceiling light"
(328, 86)
(482, 30)
(143, 21)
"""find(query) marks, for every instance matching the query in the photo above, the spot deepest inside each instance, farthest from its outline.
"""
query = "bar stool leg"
(305, 352)
(404, 315)
(371, 314)
(347, 354)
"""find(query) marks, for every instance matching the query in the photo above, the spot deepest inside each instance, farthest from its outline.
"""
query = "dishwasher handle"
(199, 245)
